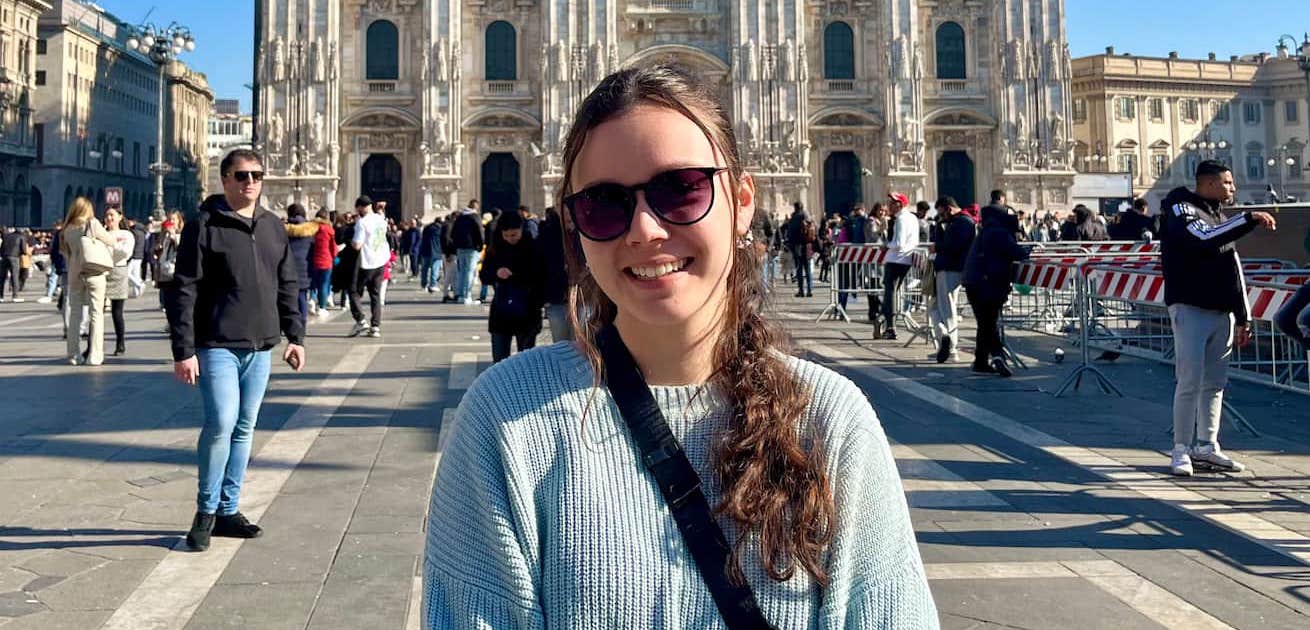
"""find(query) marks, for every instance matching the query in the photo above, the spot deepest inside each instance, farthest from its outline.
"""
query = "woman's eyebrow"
(672, 166)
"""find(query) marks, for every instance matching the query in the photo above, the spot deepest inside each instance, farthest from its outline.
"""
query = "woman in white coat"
(85, 287)
(117, 285)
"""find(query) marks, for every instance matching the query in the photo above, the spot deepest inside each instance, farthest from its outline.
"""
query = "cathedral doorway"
(841, 182)
(500, 182)
(381, 178)
(955, 177)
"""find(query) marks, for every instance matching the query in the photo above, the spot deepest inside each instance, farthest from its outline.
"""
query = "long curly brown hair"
(774, 484)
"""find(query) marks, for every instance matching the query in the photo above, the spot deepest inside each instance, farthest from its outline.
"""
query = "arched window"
(502, 62)
(950, 51)
(382, 57)
(838, 51)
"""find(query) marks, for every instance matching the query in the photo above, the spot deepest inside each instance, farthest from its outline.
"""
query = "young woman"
(543, 514)
(516, 268)
(86, 288)
(117, 286)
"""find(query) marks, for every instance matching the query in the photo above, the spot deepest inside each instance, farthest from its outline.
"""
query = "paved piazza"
(1031, 511)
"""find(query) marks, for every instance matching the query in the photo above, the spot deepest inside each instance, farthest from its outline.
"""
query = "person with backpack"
(673, 466)
(801, 234)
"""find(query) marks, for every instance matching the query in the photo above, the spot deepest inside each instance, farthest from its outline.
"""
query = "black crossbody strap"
(667, 462)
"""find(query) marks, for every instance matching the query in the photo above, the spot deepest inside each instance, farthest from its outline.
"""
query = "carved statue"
(916, 64)
(1057, 132)
(735, 70)
(786, 69)
(439, 130)
(544, 59)
(898, 70)
(752, 61)
(1015, 65)
(263, 63)
(275, 133)
(279, 60)
(753, 125)
(455, 63)
(802, 64)
(1054, 60)
(597, 62)
(425, 65)
(443, 62)
(316, 62)
(805, 157)
(296, 51)
(1021, 129)
(332, 62)
(562, 62)
(316, 133)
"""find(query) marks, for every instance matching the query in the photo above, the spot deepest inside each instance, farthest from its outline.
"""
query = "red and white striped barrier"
(1053, 277)
(1136, 286)
(860, 254)
(1265, 300)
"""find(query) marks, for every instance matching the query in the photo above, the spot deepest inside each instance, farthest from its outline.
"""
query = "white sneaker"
(375, 332)
(19, 300)
(470, 301)
(360, 327)
(43, 300)
(1210, 456)
(1180, 464)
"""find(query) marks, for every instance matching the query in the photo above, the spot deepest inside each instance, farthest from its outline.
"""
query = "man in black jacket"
(550, 239)
(955, 235)
(1206, 294)
(233, 296)
(429, 255)
(466, 239)
(1136, 225)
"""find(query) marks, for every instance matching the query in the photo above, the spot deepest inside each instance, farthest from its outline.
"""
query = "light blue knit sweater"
(541, 518)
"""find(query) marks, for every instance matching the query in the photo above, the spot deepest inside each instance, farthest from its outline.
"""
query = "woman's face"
(112, 217)
(690, 263)
(512, 236)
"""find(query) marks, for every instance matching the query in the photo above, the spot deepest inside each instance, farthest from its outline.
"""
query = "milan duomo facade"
(429, 103)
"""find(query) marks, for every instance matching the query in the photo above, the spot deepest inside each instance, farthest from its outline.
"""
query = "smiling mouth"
(655, 272)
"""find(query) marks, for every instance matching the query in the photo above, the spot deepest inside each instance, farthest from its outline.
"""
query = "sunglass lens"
(681, 196)
(601, 211)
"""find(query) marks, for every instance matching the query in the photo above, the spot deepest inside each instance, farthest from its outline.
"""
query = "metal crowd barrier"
(857, 272)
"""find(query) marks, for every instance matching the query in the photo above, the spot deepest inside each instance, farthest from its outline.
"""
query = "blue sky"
(224, 28)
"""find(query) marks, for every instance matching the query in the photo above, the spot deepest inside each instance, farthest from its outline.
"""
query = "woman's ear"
(745, 204)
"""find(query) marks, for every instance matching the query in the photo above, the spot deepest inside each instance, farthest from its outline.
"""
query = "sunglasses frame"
(237, 175)
(631, 206)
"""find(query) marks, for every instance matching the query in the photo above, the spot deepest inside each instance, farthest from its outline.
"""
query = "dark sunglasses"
(245, 176)
(683, 196)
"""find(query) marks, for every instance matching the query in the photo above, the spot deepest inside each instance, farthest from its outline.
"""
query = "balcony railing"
(954, 88)
(506, 89)
(840, 85)
(673, 6)
(381, 87)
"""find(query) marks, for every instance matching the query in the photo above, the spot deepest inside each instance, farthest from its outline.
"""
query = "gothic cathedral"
(429, 103)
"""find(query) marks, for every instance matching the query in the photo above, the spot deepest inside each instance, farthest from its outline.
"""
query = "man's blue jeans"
(465, 261)
(232, 385)
(320, 286)
(430, 272)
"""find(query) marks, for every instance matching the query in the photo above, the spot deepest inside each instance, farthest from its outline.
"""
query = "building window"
(1080, 110)
(838, 51)
(136, 158)
(40, 77)
(1219, 111)
(1255, 166)
(1156, 108)
(1251, 113)
(950, 51)
(40, 46)
(1225, 157)
(1290, 111)
(1126, 108)
(39, 131)
(1191, 110)
(1128, 163)
(501, 62)
(1160, 166)
(382, 55)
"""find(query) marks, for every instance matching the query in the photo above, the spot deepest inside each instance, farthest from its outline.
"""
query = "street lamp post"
(1284, 156)
(1302, 58)
(1096, 162)
(163, 46)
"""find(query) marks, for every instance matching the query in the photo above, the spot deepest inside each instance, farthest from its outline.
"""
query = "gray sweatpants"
(943, 311)
(1203, 341)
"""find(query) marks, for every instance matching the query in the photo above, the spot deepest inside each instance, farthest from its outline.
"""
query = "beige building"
(428, 103)
(97, 114)
(1156, 118)
(190, 104)
(19, 205)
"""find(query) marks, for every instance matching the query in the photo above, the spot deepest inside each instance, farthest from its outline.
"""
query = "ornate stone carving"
(332, 62)
(279, 60)
(381, 141)
(802, 64)
(317, 73)
(316, 133)
(275, 133)
(442, 70)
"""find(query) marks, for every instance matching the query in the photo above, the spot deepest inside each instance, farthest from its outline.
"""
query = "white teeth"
(657, 271)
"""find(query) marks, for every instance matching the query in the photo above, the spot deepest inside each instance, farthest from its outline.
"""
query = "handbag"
(97, 258)
(511, 301)
(664, 458)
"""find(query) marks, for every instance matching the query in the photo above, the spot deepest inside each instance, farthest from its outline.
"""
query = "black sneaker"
(944, 349)
(998, 364)
(889, 335)
(236, 526)
(201, 528)
(982, 368)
